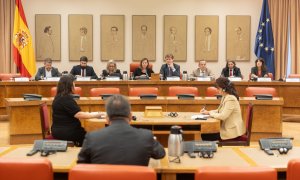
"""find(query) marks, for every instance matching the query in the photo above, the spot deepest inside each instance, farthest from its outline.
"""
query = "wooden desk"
(160, 127)
(278, 161)
(61, 161)
(225, 156)
(290, 91)
(25, 125)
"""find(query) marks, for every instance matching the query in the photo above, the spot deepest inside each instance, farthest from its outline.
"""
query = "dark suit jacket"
(117, 73)
(236, 72)
(254, 70)
(164, 70)
(138, 72)
(42, 72)
(120, 143)
(76, 70)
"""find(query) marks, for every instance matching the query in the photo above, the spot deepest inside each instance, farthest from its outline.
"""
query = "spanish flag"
(22, 43)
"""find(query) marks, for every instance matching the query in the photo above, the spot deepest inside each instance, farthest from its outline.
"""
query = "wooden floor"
(290, 129)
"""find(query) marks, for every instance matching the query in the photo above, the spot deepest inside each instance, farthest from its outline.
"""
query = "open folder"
(199, 117)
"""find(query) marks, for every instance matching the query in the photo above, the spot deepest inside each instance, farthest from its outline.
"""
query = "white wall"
(146, 7)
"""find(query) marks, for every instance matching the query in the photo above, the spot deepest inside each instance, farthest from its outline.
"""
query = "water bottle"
(175, 145)
(125, 76)
(184, 76)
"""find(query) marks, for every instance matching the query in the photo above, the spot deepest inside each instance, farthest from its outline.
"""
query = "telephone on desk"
(47, 147)
(204, 149)
(283, 145)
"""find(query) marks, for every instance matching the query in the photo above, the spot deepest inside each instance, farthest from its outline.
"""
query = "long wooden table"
(225, 156)
(25, 118)
(290, 91)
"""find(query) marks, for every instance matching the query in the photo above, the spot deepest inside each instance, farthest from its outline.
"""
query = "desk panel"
(61, 161)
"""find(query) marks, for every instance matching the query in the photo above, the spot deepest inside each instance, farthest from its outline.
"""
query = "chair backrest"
(243, 140)
(111, 172)
(249, 123)
(95, 92)
(251, 91)
(236, 173)
(293, 169)
(45, 121)
(8, 76)
(143, 90)
(211, 91)
(25, 168)
(174, 90)
(135, 65)
(77, 90)
(294, 76)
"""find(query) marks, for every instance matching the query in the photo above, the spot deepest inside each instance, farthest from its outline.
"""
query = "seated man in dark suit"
(170, 68)
(120, 143)
(83, 69)
(47, 70)
(231, 70)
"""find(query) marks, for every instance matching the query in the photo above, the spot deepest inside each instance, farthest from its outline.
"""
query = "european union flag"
(264, 43)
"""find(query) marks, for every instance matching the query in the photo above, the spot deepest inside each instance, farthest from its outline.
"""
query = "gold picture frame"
(143, 37)
(238, 30)
(175, 36)
(80, 36)
(48, 37)
(112, 37)
(207, 37)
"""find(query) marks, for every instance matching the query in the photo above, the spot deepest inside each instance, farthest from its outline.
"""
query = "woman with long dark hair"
(66, 113)
(260, 69)
(228, 112)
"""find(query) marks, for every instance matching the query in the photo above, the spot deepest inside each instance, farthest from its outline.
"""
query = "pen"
(203, 108)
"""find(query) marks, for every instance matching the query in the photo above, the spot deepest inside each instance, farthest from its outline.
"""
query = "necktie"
(170, 72)
(82, 72)
(230, 72)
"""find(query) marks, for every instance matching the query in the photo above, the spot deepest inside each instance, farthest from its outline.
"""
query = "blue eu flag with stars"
(264, 43)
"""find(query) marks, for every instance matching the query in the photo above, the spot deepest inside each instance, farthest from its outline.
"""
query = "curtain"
(295, 35)
(6, 28)
(279, 10)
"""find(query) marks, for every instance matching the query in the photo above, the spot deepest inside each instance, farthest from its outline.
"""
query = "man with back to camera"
(47, 70)
(170, 68)
(83, 69)
(120, 143)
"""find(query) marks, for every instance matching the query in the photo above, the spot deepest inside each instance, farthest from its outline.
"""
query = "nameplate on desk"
(173, 78)
(235, 79)
(263, 79)
(22, 79)
(52, 79)
(112, 78)
(83, 78)
(292, 80)
(203, 79)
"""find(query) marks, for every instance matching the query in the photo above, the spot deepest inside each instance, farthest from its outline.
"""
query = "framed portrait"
(47, 37)
(112, 37)
(238, 38)
(207, 38)
(175, 36)
(80, 36)
(143, 37)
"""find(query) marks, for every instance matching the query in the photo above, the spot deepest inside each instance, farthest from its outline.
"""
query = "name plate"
(112, 78)
(52, 78)
(79, 78)
(235, 79)
(22, 79)
(203, 79)
(264, 79)
(292, 80)
(173, 78)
